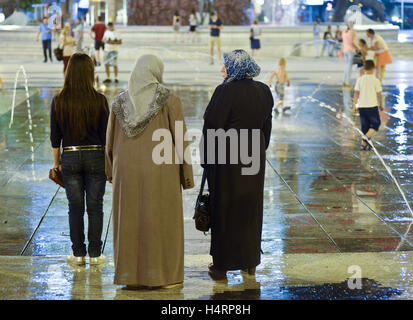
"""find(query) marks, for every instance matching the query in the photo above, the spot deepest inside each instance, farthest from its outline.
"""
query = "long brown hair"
(78, 104)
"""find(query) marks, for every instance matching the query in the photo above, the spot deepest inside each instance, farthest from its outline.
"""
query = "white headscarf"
(145, 97)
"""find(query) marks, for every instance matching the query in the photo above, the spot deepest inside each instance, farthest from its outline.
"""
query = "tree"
(232, 12)
(159, 12)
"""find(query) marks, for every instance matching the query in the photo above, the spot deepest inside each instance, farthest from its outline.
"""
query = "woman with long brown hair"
(78, 122)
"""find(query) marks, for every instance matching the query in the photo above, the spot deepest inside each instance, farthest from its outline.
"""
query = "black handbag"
(202, 214)
(58, 52)
(358, 59)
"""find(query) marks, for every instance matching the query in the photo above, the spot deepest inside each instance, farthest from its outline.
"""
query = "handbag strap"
(202, 183)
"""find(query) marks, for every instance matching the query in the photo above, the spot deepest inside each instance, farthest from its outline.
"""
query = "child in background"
(282, 78)
(363, 50)
(368, 95)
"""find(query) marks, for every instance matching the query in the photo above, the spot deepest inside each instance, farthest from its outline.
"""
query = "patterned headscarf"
(240, 66)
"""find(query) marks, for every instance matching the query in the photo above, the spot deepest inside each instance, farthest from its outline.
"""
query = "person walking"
(176, 26)
(78, 32)
(78, 122)
(365, 54)
(338, 40)
(148, 228)
(327, 42)
(46, 33)
(96, 33)
(255, 34)
(244, 106)
(367, 94)
(112, 39)
(316, 34)
(67, 42)
(349, 49)
(193, 24)
(215, 26)
(381, 53)
(282, 79)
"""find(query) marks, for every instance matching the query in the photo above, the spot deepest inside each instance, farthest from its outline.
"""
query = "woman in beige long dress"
(148, 234)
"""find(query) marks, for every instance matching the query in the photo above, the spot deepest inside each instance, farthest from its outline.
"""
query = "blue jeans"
(84, 174)
(317, 46)
(47, 47)
(328, 44)
(348, 60)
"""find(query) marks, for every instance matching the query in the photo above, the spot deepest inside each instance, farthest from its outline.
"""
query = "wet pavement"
(327, 206)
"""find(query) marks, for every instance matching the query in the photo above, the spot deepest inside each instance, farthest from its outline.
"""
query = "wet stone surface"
(369, 290)
(322, 196)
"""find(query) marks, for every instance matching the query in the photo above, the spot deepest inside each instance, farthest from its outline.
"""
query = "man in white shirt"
(368, 96)
(112, 40)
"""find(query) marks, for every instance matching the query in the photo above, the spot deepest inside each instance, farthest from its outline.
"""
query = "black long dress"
(237, 199)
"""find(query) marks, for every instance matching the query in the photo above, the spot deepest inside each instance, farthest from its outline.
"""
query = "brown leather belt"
(83, 148)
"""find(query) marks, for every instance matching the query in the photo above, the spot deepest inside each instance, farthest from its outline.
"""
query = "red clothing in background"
(99, 30)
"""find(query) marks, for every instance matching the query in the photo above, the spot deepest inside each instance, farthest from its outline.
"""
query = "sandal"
(366, 147)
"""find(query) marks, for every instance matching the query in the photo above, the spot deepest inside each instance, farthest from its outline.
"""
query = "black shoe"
(44, 61)
(107, 81)
(286, 108)
(216, 274)
(116, 81)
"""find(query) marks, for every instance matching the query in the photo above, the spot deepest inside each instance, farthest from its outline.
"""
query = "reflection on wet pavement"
(323, 197)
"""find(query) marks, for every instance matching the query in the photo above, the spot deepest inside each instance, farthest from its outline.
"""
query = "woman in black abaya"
(236, 187)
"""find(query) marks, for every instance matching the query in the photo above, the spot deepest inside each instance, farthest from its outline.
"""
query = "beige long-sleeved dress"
(147, 203)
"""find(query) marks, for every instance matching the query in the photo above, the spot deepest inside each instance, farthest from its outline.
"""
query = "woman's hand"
(56, 158)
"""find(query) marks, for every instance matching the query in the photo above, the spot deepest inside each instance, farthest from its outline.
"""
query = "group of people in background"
(330, 42)
(215, 26)
(71, 41)
(373, 48)
(354, 51)
(193, 26)
(371, 55)
(106, 38)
